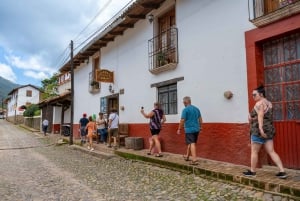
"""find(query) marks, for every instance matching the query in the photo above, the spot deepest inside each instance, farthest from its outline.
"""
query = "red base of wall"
(217, 141)
(56, 128)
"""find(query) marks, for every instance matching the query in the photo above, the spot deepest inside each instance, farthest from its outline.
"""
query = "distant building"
(56, 109)
(18, 100)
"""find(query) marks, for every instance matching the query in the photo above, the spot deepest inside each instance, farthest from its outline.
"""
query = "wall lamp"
(150, 18)
(110, 88)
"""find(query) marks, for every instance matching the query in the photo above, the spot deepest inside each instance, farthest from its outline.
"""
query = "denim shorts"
(259, 140)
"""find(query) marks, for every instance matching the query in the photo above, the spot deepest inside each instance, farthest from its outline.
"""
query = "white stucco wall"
(57, 115)
(211, 60)
(19, 98)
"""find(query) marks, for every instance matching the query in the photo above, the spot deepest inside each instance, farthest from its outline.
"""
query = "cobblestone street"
(30, 169)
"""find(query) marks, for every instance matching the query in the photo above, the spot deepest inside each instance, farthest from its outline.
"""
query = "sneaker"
(249, 173)
(89, 147)
(92, 149)
(281, 175)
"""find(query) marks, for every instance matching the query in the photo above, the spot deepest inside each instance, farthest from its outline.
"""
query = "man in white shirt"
(113, 128)
(45, 126)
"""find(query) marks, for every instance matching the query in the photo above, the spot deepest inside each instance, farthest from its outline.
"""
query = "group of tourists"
(262, 130)
(100, 128)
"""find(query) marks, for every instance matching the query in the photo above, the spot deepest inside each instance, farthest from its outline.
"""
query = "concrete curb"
(273, 188)
(95, 153)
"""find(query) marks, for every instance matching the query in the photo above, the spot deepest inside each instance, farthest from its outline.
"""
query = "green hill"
(5, 87)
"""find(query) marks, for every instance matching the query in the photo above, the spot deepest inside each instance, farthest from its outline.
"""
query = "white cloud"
(35, 33)
(32, 63)
(7, 72)
(36, 75)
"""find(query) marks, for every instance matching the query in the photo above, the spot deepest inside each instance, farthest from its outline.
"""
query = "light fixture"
(110, 88)
(150, 18)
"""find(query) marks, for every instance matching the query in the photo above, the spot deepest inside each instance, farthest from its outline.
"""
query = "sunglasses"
(254, 95)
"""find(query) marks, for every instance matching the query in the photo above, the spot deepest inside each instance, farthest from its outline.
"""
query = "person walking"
(101, 128)
(262, 132)
(191, 120)
(82, 127)
(113, 128)
(91, 131)
(157, 118)
(45, 125)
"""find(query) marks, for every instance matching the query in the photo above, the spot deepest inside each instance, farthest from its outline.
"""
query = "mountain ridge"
(5, 87)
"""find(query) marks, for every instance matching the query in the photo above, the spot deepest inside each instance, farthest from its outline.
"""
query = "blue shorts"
(259, 140)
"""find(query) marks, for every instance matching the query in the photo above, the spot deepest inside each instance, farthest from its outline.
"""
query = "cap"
(84, 114)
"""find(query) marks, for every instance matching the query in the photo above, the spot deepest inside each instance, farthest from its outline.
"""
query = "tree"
(31, 110)
(49, 87)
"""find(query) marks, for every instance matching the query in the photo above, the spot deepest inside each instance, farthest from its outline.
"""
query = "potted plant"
(161, 58)
(94, 84)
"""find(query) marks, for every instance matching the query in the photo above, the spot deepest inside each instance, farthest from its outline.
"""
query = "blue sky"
(35, 34)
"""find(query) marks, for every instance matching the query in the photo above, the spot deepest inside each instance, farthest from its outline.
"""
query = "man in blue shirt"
(191, 120)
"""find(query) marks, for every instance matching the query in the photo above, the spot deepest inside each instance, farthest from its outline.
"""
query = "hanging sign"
(103, 75)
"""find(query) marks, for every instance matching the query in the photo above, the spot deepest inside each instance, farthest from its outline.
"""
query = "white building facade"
(20, 98)
(174, 49)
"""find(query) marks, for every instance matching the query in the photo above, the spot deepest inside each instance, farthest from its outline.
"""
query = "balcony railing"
(263, 12)
(163, 51)
(94, 86)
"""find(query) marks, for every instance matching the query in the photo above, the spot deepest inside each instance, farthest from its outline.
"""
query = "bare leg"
(188, 151)
(255, 147)
(91, 141)
(151, 143)
(157, 143)
(109, 138)
(269, 147)
(115, 141)
(193, 151)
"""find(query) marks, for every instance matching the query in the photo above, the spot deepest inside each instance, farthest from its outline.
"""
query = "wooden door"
(113, 103)
(271, 5)
(282, 81)
(166, 41)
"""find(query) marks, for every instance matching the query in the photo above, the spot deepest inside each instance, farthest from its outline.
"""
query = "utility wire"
(94, 18)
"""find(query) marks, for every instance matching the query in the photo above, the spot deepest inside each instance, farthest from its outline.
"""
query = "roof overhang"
(63, 99)
(122, 21)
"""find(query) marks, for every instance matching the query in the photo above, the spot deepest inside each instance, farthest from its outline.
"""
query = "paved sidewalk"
(264, 180)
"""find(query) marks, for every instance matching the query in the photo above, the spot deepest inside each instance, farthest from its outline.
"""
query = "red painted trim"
(218, 141)
(56, 128)
(253, 38)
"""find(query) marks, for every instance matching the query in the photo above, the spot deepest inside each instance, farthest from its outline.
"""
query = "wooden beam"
(107, 39)
(116, 33)
(126, 25)
(150, 5)
(137, 16)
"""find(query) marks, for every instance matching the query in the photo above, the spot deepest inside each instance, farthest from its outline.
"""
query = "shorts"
(83, 131)
(114, 132)
(155, 131)
(259, 140)
(191, 137)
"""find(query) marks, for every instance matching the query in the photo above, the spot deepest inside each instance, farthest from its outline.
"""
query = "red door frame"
(255, 70)
(254, 58)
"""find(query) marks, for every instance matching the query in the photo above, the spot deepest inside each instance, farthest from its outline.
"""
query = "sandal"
(194, 163)
(158, 155)
(149, 153)
(186, 158)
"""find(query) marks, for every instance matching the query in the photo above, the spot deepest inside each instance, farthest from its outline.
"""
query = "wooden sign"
(103, 75)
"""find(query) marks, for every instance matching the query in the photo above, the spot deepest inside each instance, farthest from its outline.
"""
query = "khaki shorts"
(114, 132)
